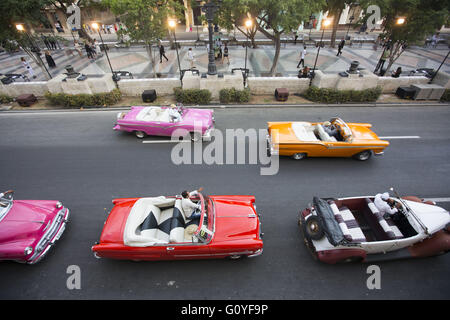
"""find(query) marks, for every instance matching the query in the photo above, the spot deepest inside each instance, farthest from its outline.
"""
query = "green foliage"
(446, 96)
(233, 95)
(5, 98)
(325, 95)
(192, 96)
(145, 20)
(71, 101)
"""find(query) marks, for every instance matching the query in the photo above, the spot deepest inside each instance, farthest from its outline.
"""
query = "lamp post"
(248, 25)
(172, 25)
(115, 78)
(34, 47)
(210, 8)
(325, 23)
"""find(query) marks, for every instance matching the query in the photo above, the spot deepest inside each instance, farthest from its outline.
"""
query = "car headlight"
(59, 205)
(28, 250)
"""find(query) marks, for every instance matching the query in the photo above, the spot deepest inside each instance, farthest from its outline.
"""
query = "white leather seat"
(348, 224)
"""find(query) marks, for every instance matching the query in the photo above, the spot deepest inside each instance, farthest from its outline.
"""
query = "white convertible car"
(352, 229)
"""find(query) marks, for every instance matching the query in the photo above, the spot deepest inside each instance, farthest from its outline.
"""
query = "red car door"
(184, 251)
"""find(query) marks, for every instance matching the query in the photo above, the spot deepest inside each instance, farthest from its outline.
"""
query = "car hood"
(433, 217)
(236, 218)
(363, 132)
(25, 220)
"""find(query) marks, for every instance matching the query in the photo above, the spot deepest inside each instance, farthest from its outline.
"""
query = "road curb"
(244, 106)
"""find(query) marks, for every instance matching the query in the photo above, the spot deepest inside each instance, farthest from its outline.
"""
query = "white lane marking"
(164, 141)
(438, 199)
(401, 137)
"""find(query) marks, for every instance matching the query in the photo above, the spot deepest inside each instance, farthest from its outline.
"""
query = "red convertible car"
(156, 228)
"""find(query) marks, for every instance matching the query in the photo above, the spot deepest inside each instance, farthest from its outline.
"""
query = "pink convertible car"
(29, 228)
(163, 121)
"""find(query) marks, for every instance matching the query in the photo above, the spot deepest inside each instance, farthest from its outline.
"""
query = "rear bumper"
(271, 150)
(378, 153)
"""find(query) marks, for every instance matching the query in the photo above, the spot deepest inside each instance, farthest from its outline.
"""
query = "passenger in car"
(191, 210)
(175, 116)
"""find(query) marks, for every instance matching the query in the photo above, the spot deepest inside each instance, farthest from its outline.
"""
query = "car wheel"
(140, 134)
(196, 136)
(313, 228)
(299, 156)
(364, 155)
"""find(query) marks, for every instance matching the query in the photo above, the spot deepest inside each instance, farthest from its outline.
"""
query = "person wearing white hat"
(387, 206)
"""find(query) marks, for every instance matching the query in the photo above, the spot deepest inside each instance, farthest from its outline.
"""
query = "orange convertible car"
(310, 139)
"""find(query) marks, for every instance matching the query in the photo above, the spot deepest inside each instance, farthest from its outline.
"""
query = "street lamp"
(34, 47)
(325, 24)
(248, 24)
(209, 9)
(115, 78)
(172, 25)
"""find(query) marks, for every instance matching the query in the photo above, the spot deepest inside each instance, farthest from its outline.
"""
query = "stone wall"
(257, 85)
(267, 85)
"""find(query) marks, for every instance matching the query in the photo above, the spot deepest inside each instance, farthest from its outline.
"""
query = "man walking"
(340, 47)
(162, 53)
(384, 57)
(302, 57)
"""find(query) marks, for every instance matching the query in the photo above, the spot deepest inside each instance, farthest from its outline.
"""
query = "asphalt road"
(75, 157)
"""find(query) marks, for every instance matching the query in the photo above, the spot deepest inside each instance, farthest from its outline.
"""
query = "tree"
(145, 20)
(335, 8)
(27, 13)
(232, 14)
(421, 18)
(273, 18)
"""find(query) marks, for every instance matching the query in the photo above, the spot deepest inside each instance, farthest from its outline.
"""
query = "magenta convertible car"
(29, 228)
(163, 121)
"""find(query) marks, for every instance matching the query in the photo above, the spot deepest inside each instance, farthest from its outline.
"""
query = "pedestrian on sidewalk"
(302, 57)
(384, 57)
(340, 47)
(51, 63)
(89, 51)
(162, 53)
(98, 50)
(47, 44)
(190, 57)
(225, 54)
(28, 67)
(77, 47)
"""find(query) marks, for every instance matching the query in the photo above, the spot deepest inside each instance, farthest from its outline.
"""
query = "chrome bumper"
(53, 234)
(207, 136)
(256, 253)
(270, 149)
(378, 153)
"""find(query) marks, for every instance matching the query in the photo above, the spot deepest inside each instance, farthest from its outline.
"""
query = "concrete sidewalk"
(259, 61)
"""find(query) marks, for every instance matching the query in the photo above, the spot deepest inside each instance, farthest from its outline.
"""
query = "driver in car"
(174, 114)
(387, 206)
(332, 130)
(191, 210)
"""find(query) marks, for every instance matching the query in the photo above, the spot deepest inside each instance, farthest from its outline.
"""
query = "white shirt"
(190, 55)
(303, 54)
(174, 114)
(383, 206)
(188, 206)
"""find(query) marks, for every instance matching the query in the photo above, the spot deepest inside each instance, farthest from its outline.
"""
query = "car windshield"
(206, 226)
(5, 205)
(344, 129)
